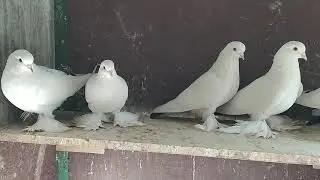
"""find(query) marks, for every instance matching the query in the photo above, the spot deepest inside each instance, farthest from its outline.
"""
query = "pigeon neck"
(107, 74)
(226, 65)
(286, 67)
(284, 62)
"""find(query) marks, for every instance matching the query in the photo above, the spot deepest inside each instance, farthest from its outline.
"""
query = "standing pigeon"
(106, 92)
(271, 94)
(212, 89)
(37, 89)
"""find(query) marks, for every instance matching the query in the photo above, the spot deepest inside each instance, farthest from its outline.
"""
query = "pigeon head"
(21, 60)
(107, 69)
(236, 48)
(294, 49)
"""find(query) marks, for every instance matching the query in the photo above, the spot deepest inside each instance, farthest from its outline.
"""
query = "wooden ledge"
(163, 136)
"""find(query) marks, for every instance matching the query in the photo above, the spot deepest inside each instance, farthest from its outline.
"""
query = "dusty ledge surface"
(164, 136)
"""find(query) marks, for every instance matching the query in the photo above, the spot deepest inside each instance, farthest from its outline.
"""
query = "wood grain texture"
(96, 150)
(124, 165)
(26, 24)
(221, 169)
(177, 137)
(26, 161)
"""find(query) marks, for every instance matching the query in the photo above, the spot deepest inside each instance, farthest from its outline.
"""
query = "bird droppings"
(275, 6)
(135, 37)
(91, 168)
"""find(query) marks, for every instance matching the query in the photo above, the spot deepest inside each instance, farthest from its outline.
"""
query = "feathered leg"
(91, 121)
(126, 119)
(257, 127)
(210, 121)
(47, 124)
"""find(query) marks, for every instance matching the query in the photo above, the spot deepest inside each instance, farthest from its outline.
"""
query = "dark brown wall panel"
(160, 47)
(124, 165)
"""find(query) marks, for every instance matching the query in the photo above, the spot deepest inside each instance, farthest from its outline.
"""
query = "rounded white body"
(105, 94)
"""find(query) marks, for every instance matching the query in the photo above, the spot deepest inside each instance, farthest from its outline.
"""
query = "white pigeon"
(38, 89)
(310, 99)
(106, 92)
(271, 94)
(212, 89)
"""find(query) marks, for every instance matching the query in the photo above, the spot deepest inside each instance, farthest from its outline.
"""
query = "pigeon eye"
(234, 49)
(295, 49)
(20, 60)
(104, 67)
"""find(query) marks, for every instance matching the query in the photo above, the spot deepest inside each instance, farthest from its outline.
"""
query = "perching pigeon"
(37, 89)
(212, 89)
(271, 94)
(106, 92)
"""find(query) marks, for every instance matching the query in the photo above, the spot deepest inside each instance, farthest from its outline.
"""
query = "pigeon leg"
(47, 124)
(210, 122)
(91, 121)
(126, 119)
(258, 127)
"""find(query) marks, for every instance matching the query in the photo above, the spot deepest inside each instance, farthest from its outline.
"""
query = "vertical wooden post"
(62, 163)
(27, 24)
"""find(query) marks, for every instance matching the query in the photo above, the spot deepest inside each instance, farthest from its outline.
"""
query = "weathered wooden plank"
(220, 169)
(26, 161)
(161, 136)
(96, 150)
(26, 24)
(125, 165)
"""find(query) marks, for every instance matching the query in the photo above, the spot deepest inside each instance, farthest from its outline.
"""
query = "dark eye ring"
(20, 60)
(234, 49)
(104, 67)
(295, 49)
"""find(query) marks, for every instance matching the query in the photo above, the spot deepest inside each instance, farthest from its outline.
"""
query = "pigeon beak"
(110, 72)
(30, 66)
(304, 56)
(242, 56)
